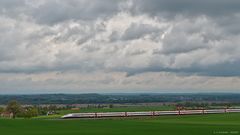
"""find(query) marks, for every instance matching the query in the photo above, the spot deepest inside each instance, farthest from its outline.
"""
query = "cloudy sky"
(84, 46)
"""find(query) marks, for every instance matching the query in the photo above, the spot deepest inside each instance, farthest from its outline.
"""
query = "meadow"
(227, 124)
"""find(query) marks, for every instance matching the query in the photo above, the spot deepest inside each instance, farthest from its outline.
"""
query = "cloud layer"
(127, 41)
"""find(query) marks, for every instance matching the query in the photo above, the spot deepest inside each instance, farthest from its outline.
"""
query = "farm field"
(165, 125)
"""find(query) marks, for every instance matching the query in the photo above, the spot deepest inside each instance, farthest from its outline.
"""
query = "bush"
(30, 112)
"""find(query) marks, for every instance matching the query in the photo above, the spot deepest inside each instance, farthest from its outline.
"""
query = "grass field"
(227, 124)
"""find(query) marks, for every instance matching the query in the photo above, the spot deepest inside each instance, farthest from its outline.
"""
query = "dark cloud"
(58, 11)
(9, 5)
(224, 70)
(188, 7)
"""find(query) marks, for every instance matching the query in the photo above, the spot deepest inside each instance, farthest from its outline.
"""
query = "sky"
(119, 46)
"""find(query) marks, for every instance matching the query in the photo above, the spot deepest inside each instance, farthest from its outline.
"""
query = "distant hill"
(118, 98)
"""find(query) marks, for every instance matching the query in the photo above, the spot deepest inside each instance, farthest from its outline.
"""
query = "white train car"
(149, 113)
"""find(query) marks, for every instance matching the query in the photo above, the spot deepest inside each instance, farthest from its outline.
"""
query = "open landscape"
(47, 119)
(119, 67)
(171, 125)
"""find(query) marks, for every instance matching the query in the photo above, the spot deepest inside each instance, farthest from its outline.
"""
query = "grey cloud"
(58, 10)
(6, 4)
(189, 7)
(65, 35)
(230, 23)
(114, 36)
(224, 70)
(136, 52)
(121, 44)
(184, 44)
(136, 31)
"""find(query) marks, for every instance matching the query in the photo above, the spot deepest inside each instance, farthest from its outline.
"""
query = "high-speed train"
(149, 113)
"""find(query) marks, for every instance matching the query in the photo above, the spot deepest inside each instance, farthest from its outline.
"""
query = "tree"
(53, 107)
(13, 107)
(111, 106)
(1, 110)
(30, 112)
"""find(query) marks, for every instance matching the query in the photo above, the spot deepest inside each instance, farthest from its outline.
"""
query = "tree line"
(15, 109)
(119, 98)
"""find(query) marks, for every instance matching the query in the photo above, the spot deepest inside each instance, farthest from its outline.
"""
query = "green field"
(164, 125)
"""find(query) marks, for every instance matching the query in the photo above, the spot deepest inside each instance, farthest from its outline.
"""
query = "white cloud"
(115, 45)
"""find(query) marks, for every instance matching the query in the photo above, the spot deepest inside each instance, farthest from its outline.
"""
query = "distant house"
(51, 113)
(7, 115)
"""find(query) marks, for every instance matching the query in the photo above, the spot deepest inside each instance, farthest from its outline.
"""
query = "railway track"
(147, 113)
